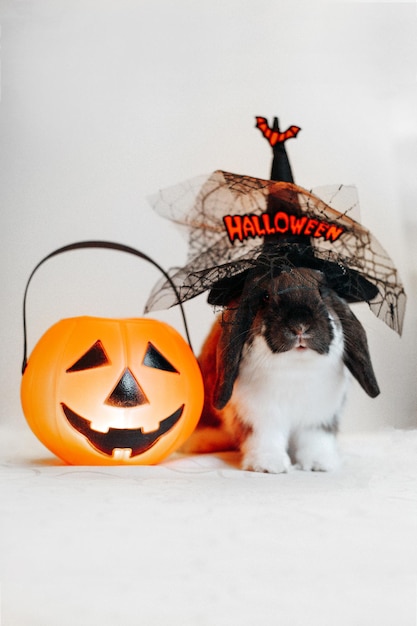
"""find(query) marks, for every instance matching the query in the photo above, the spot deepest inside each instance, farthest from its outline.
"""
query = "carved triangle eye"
(153, 358)
(94, 357)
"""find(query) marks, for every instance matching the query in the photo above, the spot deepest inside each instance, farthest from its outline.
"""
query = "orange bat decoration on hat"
(273, 135)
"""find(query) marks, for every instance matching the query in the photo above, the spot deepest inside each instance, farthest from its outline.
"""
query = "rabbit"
(277, 365)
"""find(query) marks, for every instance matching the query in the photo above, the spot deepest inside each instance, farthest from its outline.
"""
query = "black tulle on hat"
(235, 223)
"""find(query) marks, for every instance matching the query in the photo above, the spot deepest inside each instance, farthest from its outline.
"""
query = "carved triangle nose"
(128, 392)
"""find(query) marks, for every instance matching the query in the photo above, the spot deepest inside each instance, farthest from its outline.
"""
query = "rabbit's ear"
(236, 325)
(227, 289)
(356, 355)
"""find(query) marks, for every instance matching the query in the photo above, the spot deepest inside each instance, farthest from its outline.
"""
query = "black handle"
(109, 245)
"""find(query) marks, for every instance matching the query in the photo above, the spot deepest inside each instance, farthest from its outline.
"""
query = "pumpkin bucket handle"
(109, 245)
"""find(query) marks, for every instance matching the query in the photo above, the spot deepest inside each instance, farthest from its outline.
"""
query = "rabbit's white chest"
(290, 390)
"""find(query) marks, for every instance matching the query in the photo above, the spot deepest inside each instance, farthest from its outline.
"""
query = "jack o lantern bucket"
(99, 391)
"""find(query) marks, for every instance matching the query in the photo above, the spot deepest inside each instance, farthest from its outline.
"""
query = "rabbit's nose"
(302, 329)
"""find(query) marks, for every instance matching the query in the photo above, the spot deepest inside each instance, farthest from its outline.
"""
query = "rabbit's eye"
(265, 297)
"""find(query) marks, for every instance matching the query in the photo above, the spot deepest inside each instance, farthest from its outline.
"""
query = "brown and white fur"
(276, 368)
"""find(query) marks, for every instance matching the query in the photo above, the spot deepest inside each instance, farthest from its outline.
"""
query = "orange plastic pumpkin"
(101, 391)
(111, 391)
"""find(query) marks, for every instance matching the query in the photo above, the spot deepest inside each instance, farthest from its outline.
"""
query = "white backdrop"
(103, 103)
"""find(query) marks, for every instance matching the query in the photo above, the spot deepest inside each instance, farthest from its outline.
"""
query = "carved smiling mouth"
(133, 438)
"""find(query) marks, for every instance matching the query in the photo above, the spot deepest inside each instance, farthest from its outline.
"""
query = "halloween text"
(242, 227)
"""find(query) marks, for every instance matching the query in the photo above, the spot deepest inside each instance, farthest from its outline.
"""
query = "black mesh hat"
(236, 223)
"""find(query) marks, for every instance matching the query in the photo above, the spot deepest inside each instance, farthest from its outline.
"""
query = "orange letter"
(334, 232)
(284, 227)
(259, 230)
(248, 227)
(233, 225)
(321, 229)
(267, 224)
(297, 224)
(310, 225)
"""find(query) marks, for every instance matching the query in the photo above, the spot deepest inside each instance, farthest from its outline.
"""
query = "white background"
(103, 103)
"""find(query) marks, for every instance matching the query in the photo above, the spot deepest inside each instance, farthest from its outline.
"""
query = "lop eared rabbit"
(276, 367)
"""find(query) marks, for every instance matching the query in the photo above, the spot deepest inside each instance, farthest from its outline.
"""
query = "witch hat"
(237, 223)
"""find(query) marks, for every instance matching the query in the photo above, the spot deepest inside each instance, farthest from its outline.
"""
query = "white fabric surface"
(196, 541)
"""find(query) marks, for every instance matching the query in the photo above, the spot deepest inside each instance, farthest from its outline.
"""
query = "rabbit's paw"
(317, 451)
(272, 462)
